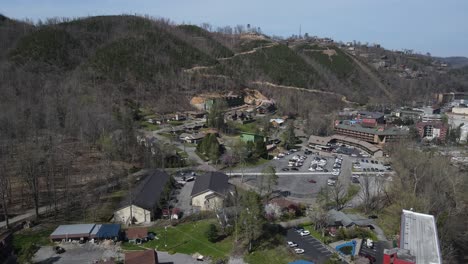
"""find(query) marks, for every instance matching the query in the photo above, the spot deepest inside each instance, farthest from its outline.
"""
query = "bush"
(212, 233)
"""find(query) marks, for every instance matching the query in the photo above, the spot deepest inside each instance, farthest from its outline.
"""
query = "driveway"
(314, 249)
(177, 258)
(184, 199)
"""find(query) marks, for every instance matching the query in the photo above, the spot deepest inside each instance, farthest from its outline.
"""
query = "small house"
(136, 234)
(210, 190)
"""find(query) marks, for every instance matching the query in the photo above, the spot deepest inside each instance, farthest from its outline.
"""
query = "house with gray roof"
(144, 201)
(210, 190)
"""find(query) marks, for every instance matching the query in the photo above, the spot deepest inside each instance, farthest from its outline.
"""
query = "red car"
(312, 181)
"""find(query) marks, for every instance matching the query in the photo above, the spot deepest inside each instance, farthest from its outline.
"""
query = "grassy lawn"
(26, 242)
(182, 153)
(277, 255)
(389, 220)
(187, 238)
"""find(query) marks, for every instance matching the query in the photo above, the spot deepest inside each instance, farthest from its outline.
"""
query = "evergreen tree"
(211, 233)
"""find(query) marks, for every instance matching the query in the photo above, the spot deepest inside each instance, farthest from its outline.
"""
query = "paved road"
(27, 215)
(314, 249)
(280, 173)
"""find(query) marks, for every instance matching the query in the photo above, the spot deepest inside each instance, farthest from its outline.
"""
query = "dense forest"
(70, 89)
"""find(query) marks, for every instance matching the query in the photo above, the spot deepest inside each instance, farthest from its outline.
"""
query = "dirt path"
(249, 52)
(342, 97)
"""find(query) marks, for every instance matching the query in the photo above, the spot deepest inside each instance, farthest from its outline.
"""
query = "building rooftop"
(213, 181)
(373, 115)
(63, 231)
(318, 140)
(136, 232)
(148, 256)
(376, 131)
(147, 192)
(105, 231)
(419, 236)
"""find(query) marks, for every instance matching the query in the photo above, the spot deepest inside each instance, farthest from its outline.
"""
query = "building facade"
(432, 130)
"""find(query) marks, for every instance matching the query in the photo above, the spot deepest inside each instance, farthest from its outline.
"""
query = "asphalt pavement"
(314, 250)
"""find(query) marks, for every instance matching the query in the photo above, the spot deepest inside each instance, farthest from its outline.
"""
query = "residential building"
(210, 190)
(418, 243)
(252, 137)
(457, 117)
(143, 202)
(135, 233)
(376, 135)
(192, 138)
(432, 130)
(277, 122)
(149, 256)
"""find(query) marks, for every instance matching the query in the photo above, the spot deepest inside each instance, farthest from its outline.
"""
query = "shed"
(78, 231)
(136, 233)
(106, 231)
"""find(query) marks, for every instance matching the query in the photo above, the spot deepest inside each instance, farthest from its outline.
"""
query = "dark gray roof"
(367, 114)
(214, 181)
(339, 218)
(147, 192)
(375, 131)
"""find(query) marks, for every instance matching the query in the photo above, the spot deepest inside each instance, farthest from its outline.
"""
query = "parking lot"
(283, 163)
(314, 250)
(77, 253)
(300, 181)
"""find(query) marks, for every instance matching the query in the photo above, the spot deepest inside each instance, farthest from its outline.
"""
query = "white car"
(292, 244)
(336, 173)
(276, 158)
(304, 233)
(299, 250)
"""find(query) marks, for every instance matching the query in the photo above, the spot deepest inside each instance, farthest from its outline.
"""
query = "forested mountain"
(72, 92)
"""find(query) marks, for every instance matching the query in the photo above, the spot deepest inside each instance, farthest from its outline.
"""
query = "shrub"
(211, 233)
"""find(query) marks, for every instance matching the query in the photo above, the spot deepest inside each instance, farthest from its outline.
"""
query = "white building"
(144, 200)
(464, 133)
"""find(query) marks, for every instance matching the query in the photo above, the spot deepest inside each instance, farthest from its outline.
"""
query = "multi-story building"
(376, 135)
(432, 130)
(418, 241)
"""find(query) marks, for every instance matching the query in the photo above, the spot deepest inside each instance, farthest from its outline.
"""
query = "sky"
(436, 26)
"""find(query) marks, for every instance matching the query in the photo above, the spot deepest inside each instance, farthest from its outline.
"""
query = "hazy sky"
(436, 26)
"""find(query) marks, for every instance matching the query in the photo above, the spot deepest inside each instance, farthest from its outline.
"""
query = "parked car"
(305, 233)
(312, 181)
(189, 179)
(299, 250)
(354, 180)
(294, 169)
(59, 250)
(292, 244)
(285, 169)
